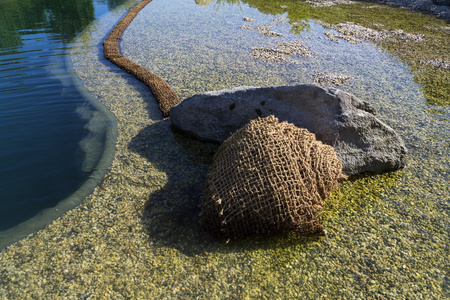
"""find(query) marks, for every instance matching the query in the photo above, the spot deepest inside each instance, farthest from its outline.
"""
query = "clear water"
(388, 234)
(43, 116)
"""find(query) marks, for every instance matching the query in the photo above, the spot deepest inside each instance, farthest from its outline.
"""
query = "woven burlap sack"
(269, 177)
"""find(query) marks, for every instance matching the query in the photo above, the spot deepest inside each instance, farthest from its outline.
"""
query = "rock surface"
(361, 141)
(439, 8)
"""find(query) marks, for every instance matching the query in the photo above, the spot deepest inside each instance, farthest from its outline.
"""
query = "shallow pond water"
(387, 234)
(207, 48)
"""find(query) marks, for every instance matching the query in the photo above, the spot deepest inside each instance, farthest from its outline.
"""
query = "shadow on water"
(171, 214)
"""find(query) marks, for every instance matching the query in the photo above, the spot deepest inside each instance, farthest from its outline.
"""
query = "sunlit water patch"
(206, 48)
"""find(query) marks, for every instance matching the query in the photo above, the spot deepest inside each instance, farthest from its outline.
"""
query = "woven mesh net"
(269, 177)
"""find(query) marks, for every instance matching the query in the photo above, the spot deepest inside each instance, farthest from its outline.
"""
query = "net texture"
(269, 177)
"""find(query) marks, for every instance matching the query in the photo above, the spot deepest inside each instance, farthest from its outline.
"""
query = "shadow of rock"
(171, 215)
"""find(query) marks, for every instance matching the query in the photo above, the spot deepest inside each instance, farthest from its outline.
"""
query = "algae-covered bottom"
(138, 236)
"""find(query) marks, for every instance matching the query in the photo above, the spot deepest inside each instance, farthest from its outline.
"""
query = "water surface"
(46, 136)
(388, 233)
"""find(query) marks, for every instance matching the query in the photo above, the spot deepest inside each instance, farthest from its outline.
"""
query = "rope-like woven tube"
(160, 89)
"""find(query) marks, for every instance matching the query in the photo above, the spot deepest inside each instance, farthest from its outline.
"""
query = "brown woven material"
(163, 93)
(269, 177)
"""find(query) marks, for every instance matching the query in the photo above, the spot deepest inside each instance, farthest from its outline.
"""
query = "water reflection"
(41, 128)
(64, 19)
(204, 2)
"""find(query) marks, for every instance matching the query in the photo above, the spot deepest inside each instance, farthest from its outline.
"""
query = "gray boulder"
(361, 141)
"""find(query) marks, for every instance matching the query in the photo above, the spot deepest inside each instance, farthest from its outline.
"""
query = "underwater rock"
(247, 19)
(333, 78)
(438, 8)
(281, 52)
(362, 142)
(326, 3)
(442, 2)
(354, 34)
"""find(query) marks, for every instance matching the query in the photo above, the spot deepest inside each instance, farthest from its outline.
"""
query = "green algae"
(357, 192)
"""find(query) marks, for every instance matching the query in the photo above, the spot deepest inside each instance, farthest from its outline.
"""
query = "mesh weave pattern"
(269, 177)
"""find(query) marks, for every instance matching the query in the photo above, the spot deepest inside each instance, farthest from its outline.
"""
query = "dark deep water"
(41, 109)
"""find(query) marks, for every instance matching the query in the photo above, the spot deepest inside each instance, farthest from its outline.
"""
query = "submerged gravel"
(137, 236)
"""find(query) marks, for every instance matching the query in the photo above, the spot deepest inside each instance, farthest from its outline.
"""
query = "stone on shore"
(362, 142)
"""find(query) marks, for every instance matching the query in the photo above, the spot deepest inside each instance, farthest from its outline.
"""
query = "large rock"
(362, 142)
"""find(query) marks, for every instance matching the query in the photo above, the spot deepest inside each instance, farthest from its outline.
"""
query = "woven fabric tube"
(161, 90)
